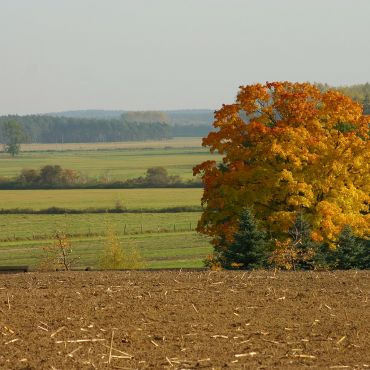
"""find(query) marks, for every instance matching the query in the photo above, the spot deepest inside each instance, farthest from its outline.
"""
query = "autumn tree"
(288, 148)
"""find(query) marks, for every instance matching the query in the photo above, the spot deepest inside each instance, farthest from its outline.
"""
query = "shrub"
(59, 255)
(114, 257)
(119, 205)
(298, 251)
(158, 176)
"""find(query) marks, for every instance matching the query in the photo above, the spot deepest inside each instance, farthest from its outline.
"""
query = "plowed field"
(185, 320)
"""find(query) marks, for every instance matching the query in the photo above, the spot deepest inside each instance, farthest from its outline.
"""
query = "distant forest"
(48, 129)
(184, 117)
(107, 126)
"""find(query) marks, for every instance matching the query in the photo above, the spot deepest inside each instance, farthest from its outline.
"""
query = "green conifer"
(249, 248)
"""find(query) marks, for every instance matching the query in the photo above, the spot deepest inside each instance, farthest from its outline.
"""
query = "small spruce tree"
(249, 248)
(351, 252)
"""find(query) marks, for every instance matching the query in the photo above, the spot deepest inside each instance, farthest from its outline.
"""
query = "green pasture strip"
(108, 165)
(36, 227)
(71, 211)
(176, 142)
(185, 249)
(100, 198)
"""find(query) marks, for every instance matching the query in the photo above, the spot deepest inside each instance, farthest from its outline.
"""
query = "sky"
(172, 54)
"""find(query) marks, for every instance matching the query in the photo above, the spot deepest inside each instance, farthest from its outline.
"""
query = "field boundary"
(23, 269)
(177, 142)
(91, 237)
(139, 229)
(61, 210)
(13, 269)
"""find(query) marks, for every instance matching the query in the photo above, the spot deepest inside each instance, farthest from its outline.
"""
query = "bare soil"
(185, 320)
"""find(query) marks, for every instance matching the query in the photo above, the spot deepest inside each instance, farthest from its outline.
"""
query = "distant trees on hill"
(145, 116)
(109, 126)
(173, 117)
(13, 135)
(132, 126)
(48, 129)
(190, 130)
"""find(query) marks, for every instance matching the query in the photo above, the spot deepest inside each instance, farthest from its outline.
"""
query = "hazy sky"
(167, 54)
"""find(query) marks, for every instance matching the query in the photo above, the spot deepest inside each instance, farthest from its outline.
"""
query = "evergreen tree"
(249, 248)
(351, 252)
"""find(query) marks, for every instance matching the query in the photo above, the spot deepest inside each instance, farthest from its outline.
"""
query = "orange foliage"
(287, 255)
(288, 148)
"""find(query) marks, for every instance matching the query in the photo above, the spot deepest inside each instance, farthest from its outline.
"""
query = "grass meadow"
(177, 142)
(108, 165)
(100, 198)
(164, 239)
(159, 250)
(31, 227)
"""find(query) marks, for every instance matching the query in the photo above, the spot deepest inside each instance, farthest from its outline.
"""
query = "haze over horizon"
(172, 54)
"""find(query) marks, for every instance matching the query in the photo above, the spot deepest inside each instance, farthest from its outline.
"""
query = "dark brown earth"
(185, 320)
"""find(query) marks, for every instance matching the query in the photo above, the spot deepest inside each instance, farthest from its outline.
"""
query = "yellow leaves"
(281, 220)
(326, 208)
(286, 176)
(316, 236)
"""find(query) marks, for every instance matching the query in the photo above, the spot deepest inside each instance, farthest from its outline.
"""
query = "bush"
(59, 255)
(114, 257)
(158, 176)
(298, 252)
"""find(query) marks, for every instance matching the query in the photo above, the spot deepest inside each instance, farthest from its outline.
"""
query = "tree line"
(252, 248)
(56, 177)
(48, 129)
(104, 126)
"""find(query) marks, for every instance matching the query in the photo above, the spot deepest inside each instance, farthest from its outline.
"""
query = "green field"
(108, 165)
(176, 142)
(31, 227)
(164, 239)
(160, 250)
(100, 198)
